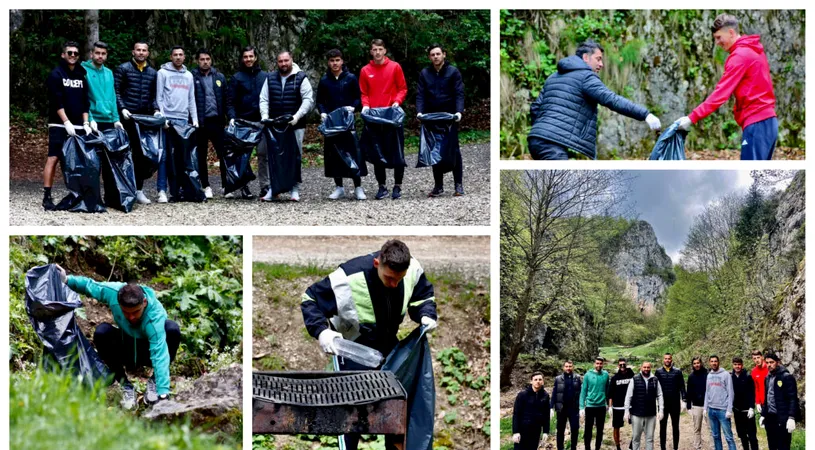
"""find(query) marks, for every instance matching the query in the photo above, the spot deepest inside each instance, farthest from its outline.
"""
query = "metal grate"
(327, 388)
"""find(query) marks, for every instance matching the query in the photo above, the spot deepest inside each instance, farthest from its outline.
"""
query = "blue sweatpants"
(758, 140)
(543, 149)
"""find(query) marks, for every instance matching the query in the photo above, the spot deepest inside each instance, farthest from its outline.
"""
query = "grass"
(49, 410)
(652, 351)
(275, 272)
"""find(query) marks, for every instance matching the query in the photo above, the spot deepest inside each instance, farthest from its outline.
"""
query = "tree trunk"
(519, 332)
(15, 20)
(91, 30)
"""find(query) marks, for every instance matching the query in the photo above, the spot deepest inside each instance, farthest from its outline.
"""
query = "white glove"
(94, 126)
(751, 413)
(349, 108)
(87, 127)
(157, 113)
(326, 339)
(516, 438)
(429, 323)
(728, 414)
(790, 425)
(294, 120)
(62, 275)
(118, 125)
(684, 123)
(419, 115)
(545, 437)
(323, 116)
(582, 413)
(758, 408)
(608, 410)
(687, 408)
(660, 416)
(231, 122)
(626, 416)
(166, 124)
(126, 114)
(653, 122)
(365, 109)
(395, 105)
(458, 117)
(195, 124)
(761, 421)
(69, 128)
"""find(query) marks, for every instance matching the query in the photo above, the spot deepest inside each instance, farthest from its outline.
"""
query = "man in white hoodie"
(719, 404)
(286, 91)
(644, 406)
(175, 96)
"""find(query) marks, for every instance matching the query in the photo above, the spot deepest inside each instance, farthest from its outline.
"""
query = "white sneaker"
(142, 199)
(208, 192)
(162, 197)
(360, 194)
(268, 197)
(338, 192)
(295, 194)
(233, 194)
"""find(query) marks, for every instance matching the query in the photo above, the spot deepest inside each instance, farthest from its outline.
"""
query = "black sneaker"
(48, 204)
(459, 190)
(381, 193)
(246, 194)
(436, 192)
(151, 396)
(397, 192)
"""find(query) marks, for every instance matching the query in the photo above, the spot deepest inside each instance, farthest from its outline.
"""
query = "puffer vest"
(286, 100)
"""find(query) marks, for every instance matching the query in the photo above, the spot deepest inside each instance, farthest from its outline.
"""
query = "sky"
(670, 199)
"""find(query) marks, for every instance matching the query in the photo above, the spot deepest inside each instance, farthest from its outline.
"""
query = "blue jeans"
(758, 140)
(719, 425)
(543, 149)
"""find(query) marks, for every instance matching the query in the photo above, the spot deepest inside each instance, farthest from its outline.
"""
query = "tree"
(91, 30)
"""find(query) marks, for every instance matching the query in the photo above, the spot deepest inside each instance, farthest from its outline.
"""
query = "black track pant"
(777, 436)
(595, 418)
(671, 411)
(530, 438)
(135, 150)
(338, 181)
(746, 429)
(212, 130)
(117, 348)
(574, 426)
(382, 176)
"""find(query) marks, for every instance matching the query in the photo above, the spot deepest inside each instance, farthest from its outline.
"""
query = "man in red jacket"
(747, 77)
(382, 84)
(758, 374)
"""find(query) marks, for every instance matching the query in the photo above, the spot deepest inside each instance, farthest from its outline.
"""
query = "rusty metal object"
(329, 403)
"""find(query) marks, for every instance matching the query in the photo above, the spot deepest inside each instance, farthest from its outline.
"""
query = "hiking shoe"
(208, 192)
(142, 199)
(459, 190)
(436, 192)
(397, 192)
(339, 191)
(128, 396)
(381, 193)
(48, 204)
(162, 197)
(246, 194)
(151, 396)
(295, 194)
(359, 193)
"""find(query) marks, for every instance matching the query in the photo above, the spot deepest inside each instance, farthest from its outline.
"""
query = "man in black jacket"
(243, 102)
(673, 391)
(210, 85)
(566, 403)
(441, 89)
(744, 396)
(530, 415)
(135, 86)
(617, 388)
(565, 114)
(68, 107)
(339, 88)
(780, 409)
(695, 399)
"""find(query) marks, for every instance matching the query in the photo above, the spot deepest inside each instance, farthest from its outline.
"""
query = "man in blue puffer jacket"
(565, 114)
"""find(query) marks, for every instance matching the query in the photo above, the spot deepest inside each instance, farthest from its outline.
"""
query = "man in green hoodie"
(103, 114)
(143, 336)
(593, 402)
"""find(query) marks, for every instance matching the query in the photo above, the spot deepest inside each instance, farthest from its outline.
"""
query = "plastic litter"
(383, 138)
(182, 165)
(118, 171)
(283, 154)
(241, 137)
(358, 353)
(343, 158)
(80, 168)
(438, 145)
(670, 145)
(153, 144)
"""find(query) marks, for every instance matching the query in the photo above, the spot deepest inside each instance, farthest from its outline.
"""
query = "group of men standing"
(100, 99)
(648, 397)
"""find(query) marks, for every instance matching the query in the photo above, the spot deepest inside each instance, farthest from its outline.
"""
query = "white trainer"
(359, 193)
(142, 199)
(295, 194)
(339, 191)
(162, 197)
(208, 192)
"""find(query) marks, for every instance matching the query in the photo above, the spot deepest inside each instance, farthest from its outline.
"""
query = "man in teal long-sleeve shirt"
(102, 114)
(593, 402)
(143, 336)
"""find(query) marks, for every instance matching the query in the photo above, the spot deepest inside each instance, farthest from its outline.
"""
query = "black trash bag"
(438, 144)
(241, 138)
(383, 138)
(412, 364)
(153, 144)
(671, 145)
(118, 172)
(343, 158)
(283, 154)
(182, 165)
(80, 168)
(50, 306)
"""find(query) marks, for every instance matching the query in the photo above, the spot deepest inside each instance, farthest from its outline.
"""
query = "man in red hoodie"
(747, 77)
(382, 84)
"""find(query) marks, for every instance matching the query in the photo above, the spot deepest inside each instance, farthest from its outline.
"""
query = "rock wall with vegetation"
(663, 59)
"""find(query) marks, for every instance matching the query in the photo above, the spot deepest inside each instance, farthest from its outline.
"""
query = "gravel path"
(468, 255)
(314, 208)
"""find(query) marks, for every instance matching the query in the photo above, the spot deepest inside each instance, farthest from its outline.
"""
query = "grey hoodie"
(719, 393)
(175, 93)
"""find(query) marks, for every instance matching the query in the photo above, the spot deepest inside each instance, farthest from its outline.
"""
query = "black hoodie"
(68, 90)
(618, 387)
(697, 385)
(336, 92)
(243, 93)
(531, 410)
(744, 393)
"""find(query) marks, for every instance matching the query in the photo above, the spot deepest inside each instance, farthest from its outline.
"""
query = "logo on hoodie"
(67, 82)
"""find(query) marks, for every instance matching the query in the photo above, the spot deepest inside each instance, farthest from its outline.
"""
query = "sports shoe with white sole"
(151, 396)
(208, 192)
(295, 194)
(359, 193)
(142, 199)
(162, 197)
(128, 396)
(339, 191)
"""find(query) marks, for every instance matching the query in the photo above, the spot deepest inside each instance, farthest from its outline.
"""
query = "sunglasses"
(72, 53)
